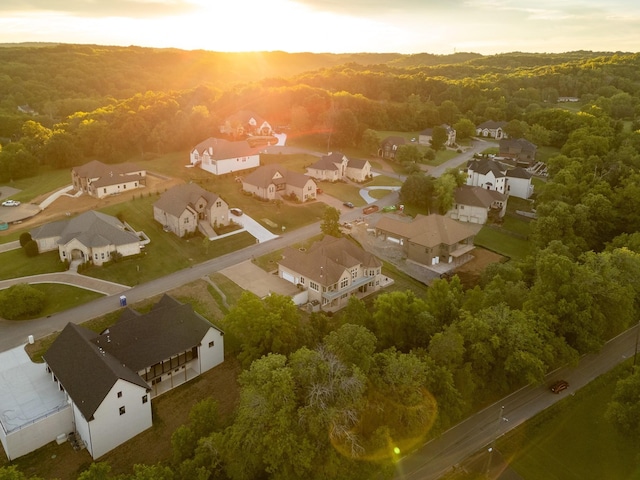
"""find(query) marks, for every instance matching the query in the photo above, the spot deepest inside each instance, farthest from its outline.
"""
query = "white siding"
(210, 356)
(109, 428)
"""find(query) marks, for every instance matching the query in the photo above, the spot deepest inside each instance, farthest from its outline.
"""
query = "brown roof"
(176, 199)
(477, 196)
(97, 169)
(429, 231)
(326, 261)
(263, 176)
(221, 149)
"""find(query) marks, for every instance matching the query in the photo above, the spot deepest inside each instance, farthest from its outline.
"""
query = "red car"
(559, 386)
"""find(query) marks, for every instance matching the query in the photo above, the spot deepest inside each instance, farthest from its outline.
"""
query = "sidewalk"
(68, 278)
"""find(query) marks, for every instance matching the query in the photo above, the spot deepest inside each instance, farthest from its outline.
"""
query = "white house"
(101, 180)
(110, 378)
(492, 175)
(91, 236)
(245, 123)
(184, 208)
(219, 156)
(331, 271)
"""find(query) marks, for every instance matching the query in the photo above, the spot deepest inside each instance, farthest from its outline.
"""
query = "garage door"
(288, 277)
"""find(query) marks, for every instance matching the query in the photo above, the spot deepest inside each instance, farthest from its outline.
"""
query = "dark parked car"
(559, 386)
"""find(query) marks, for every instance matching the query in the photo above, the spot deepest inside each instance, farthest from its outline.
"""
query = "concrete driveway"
(256, 280)
(254, 228)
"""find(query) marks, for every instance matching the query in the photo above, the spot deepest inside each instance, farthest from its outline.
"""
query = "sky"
(335, 26)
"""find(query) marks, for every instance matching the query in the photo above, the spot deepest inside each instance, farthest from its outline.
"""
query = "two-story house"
(336, 166)
(245, 123)
(389, 147)
(493, 175)
(332, 270)
(520, 150)
(426, 136)
(184, 208)
(474, 204)
(219, 156)
(271, 182)
(491, 129)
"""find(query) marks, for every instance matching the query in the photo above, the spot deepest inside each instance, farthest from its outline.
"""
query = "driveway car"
(236, 211)
(10, 203)
(559, 386)
(348, 204)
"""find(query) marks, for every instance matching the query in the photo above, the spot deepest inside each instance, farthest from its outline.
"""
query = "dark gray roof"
(477, 196)
(88, 365)
(492, 125)
(92, 229)
(176, 199)
(485, 166)
(168, 329)
(85, 371)
(357, 163)
(97, 169)
(263, 176)
(518, 172)
(328, 162)
(394, 140)
(517, 145)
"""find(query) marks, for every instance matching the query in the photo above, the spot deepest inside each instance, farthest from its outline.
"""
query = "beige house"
(491, 129)
(473, 204)
(426, 136)
(184, 208)
(101, 180)
(272, 182)
(90, 237)
(219, 156)
(246, 123)
(331, 271)
(429, 240)
(336, 166)
(389, 146)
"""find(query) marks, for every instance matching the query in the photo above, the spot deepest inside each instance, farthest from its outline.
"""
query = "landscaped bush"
(25, 238)
(20, 301)
(31, 248)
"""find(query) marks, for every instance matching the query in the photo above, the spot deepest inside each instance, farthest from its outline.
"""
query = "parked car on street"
(236, 211)
(348, 204)
(10, 203)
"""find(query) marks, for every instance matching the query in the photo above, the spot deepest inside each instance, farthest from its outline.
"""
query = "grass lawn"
(344, 191)
(378, 194)
(572, 439)
(15, 263)
(63, 297)
(502, 243)
(296, 162)
(47, 180)
(442, 156)
(385, 181)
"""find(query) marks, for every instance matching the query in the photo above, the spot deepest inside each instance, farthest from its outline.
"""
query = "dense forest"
(335, 394)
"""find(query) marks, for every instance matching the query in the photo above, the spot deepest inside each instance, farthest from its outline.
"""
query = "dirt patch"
(470, 272)
(66, 206)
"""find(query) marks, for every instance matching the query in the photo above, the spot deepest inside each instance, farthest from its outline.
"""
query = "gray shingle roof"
(485, 166)
(518, 172)
(429, 231)
(328, 162)
(477, 196)
(176, 199)
(492, 125)
(92, 229)
(263, 176)
(221, 149)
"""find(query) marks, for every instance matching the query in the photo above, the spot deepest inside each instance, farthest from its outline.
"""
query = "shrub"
(31, 248)
(21, 300)
(25, 238)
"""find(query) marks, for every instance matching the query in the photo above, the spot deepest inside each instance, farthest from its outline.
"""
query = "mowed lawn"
(573, 441)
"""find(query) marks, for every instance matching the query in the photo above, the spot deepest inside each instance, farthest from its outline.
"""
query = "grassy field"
(15, 263)
(572, 440)
(500, 241)
(48, 180)
(63, 297)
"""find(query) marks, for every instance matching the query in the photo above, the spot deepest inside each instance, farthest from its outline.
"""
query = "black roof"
(88, 364)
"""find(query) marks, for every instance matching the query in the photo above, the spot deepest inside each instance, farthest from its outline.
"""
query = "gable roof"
(91, 228)
(88, 365)
(518, 144)
(518, 172)
(86, 371)
(429, 231)
(486, 165)
(97, 169)
(168, 329)
(221, 149)
(393, 140)
(492, 125)
(329, 162)
(326, 260)
(263, 176)
(358, 163)
(429, 131)
(176, 199)
(477, 196)
(244, 117)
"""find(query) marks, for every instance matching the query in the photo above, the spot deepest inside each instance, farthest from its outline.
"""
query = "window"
(218, 203)
(122, 411)
(119, 394)
(301, 280)
(344, 283)
(104, 190)
(124, 186)
(186, 220)
(314, 286)
(145, 398)
(211, 344)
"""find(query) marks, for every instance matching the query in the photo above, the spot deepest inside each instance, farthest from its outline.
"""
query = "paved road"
(438, 456)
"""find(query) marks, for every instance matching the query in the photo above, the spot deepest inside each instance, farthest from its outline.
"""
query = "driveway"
(254, 228)
(254, 279)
